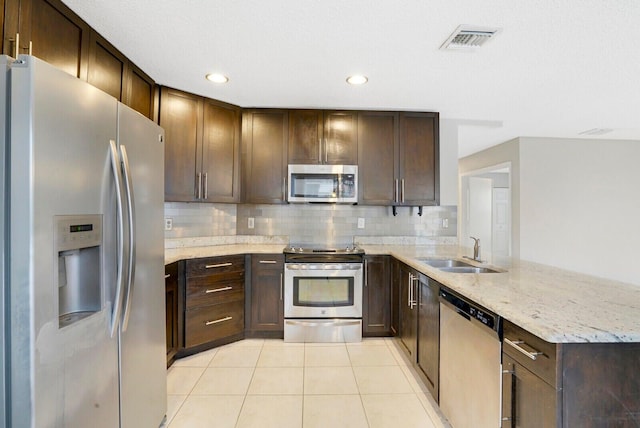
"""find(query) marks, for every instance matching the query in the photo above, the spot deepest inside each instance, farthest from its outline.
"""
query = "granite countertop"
(557, 305)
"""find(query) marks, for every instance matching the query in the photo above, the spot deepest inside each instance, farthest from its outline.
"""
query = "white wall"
(580, 205)
(575, 202)
(448, 162)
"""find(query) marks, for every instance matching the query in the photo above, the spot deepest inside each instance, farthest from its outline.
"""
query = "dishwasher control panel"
(469, 310)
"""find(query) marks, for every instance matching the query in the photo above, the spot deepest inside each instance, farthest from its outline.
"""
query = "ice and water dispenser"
(78, 241)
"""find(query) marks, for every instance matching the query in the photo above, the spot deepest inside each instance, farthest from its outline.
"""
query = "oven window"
(323, 291)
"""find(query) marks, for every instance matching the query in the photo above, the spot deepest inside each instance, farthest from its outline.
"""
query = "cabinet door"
(408, 311)
(58, 35)
(418, 162)
(106, 67)
(267, 304)
(376, 308)
(220, 153)
(429, 333)
(377, 142)
(139, 91)
(264, 139)
(180, 115)
(395, 296)
(305, 136)
(171, 303)
(340, 139)
(527, 400)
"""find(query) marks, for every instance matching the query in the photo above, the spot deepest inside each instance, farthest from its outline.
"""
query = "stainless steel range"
(323, 294)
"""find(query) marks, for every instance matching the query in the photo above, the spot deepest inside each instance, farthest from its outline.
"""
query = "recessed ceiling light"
(357, 79)
(217, 78)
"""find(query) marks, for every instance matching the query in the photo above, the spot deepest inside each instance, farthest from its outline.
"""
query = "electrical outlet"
(168, 223)
(445, 223)
(360, 223)
(251, 223)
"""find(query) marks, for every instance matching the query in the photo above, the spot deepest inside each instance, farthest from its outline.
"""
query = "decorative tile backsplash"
(308, 223)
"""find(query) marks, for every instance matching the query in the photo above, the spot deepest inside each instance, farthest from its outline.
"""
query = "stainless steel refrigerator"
(82, 314)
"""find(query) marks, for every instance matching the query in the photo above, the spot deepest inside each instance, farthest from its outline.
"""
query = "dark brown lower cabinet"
(428, 343)
(408, 314)
(174, 311)
(266, 306)
(568, 385)
(376, 296)
(214, 301)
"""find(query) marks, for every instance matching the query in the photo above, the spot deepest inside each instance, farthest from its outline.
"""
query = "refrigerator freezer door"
(143, 389)
(60, 132)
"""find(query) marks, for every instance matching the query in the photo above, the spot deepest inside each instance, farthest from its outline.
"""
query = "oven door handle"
(331, 321)
(323, 266)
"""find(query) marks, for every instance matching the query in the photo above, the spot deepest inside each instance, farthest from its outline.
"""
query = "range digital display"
(80, 228)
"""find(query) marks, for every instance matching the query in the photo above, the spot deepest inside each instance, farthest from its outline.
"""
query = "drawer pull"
(215, 290)
(167, 276)
(218, 265)
(267, 262)
(515, 344)
(218, 321)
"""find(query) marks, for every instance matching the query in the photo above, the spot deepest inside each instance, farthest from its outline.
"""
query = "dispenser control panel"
(78, 231)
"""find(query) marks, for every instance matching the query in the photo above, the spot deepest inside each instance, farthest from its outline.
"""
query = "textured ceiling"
(558, 68)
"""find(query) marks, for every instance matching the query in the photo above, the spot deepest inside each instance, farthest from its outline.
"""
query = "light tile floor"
(269, 383)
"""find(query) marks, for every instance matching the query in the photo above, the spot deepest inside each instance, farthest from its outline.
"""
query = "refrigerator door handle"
(117, 176)
(131, 213)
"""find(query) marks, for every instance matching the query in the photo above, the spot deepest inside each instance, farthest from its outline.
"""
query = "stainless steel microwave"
(323, 183)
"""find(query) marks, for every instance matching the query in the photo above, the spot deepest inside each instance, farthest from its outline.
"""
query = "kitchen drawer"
(208, 323)
(525, 347)
(205, 291)
(214, 265)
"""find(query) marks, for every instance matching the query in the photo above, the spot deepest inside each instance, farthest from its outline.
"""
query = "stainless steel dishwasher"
(470, 365)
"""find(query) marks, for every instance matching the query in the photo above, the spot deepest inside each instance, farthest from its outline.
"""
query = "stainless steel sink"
(456, 266)
(468, 269)
(445, 263)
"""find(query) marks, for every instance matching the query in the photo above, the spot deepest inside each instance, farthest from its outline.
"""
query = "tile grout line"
(246, 393)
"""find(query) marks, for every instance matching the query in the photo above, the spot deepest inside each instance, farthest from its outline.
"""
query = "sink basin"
(456, 266)
(468, 269)
(445, 263)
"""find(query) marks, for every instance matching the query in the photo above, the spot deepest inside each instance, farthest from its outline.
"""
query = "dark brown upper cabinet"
(377, 143)
(202, 148)
(323, 137)
(264, 153)
(50, 31)
(398, 158)
(418, 166)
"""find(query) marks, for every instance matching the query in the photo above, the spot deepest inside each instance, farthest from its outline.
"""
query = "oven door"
(323, 290)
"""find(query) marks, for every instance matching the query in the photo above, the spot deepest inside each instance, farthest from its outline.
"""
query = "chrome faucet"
(476, 249)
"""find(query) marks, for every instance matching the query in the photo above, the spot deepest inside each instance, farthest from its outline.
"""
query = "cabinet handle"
(402, 191)
(319, 150)
(218, 321)
(215, 290)
(515, 344)
(17, 50)
(218, 265)
(267, 262)
(326, 156)
(206, 185)
(30, 47)
(198, 185)
(366, 277)
(167, 276)
(281, 286)
(410, 291)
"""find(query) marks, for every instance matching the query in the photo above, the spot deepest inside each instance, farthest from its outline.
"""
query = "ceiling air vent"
(469, 37)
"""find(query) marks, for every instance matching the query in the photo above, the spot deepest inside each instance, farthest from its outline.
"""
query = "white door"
(479, 212)
(501, 229)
